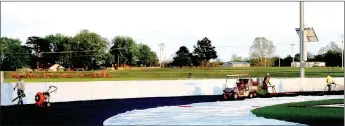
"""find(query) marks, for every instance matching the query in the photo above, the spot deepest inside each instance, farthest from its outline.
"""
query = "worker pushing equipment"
(329, 82)
(20, 90)
(266, 82)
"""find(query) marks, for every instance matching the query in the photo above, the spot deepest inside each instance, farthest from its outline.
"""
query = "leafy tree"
(331, 46)
(154, 61)
(38, 44)
(108, 60)
(276, 61)
(59, 44)
(14, 55)
(310, 56)
(90, 47)
(287, 61)
(146, 57)
(125, 49)
(332, 58)
(204, 51)
(182, 57)
(262, 50)
(195, 59)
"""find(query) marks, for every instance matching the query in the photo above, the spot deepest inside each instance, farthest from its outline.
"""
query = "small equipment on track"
(42, 98)
(244, 88)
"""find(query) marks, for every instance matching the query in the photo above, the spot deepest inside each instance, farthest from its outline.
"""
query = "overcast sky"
(232, 24)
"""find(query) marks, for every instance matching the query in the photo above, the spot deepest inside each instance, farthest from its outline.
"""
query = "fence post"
(2, 77)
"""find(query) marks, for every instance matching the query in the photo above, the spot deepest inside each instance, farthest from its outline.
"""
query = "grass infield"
(197, 73)
(305, 113)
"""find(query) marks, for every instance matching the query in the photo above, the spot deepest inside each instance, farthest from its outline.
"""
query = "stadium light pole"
(301, 39)
(306, 34)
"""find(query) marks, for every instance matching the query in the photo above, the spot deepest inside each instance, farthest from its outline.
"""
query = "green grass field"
(305, 113)
(197, 73)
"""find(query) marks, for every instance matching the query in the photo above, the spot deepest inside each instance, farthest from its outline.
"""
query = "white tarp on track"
(212, 113)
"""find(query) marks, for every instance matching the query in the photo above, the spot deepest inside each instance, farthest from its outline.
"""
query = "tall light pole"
(301, 39)
(161, 48)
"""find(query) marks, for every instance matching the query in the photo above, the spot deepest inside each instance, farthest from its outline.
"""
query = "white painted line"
(331, 106)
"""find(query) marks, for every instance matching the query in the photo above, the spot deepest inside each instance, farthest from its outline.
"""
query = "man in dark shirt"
(266, 82)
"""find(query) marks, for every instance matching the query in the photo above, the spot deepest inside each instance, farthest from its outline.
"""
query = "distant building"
(52, 67)
(309, 64)
(236, 64)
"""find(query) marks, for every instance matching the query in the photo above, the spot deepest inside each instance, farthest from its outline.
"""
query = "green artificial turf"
(197, 73)
(305, 113)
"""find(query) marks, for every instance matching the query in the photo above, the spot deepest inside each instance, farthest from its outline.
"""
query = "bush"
(98, 74)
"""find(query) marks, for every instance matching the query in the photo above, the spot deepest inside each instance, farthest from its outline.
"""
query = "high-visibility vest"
(329, 79)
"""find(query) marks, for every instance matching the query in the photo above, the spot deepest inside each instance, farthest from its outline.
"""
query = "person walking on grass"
(20, 89)
(329, 82)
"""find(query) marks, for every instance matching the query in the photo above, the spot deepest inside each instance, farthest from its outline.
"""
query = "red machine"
(42, 98)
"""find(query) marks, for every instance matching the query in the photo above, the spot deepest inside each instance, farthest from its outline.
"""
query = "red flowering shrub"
(98, 74)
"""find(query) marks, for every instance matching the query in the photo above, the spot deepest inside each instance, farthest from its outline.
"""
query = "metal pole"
(163, 55)
(279, 61)
(301, 39)
(342, 53)
(292, 55)
(160, 55)
(38, 57)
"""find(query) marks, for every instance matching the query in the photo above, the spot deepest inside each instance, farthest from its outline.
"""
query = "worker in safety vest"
(329, 81)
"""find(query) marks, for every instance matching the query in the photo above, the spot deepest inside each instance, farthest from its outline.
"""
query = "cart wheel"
(235, 96)
(255, 94)
(225, 96)
(251, 95)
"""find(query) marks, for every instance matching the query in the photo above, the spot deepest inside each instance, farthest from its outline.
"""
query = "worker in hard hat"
(266, 82)
(329, 81)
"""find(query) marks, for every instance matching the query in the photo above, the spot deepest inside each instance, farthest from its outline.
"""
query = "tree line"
(203, 52)
(86, 50)
(261, 54)
(89, 50)
(330, 54)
